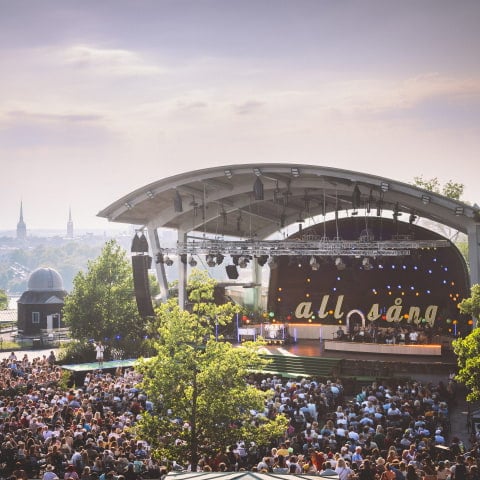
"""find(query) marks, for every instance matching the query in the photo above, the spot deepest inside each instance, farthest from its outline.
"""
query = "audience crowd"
(385, 432)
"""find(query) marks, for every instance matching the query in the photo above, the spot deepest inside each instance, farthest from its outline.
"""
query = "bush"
(76, 352)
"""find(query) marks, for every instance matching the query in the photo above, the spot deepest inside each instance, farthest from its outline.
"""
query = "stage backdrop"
(421, 290)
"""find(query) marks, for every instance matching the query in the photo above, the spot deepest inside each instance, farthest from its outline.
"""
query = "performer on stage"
(100, 349)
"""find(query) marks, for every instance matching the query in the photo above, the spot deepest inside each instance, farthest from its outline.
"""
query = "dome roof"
(45, 279)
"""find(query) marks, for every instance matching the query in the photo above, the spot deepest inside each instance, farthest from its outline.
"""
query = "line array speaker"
(141, 264)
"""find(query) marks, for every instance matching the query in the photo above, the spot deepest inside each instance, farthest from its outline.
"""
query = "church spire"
(21, 226)
(70, 224)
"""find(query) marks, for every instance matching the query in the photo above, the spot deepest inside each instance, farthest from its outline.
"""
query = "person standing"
(100, 350)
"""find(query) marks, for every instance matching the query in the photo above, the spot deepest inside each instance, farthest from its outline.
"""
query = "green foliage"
(451, 189)
(65, 381)
(202, 381)
(471, 305)
(3, 300)
(468, 349)
(102, 304)
(76, 351)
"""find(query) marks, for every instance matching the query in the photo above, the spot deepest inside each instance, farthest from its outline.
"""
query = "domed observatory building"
(40, 307)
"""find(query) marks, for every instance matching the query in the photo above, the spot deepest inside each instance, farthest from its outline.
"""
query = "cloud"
(109, 61)
(24, 130)
(248, 107)
(69, 118)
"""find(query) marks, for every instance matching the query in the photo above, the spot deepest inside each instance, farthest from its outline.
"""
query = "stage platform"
(108, 365)
(383, 348)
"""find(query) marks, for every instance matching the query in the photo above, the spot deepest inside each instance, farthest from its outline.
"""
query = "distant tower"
(70, 224)
(21, 227)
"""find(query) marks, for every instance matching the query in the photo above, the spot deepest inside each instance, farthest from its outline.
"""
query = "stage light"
(168, 261)
(192, 262)
(150, 194)
(385, 186)
(219, 258)
(128, 205)
(258, 189)
(366, 264)
(228, 173)
(177, 202)
(183, 258)
(356, 197)
(210, 259)
(262, 260)
(257, 172)
(314, 264)
(339, 263)
(272, 263)
(243, 262)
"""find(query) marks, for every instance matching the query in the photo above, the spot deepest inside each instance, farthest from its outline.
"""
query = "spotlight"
(272, 263)
(219, 258)
(243, 262)
(168, 261)
(183, 258)
(339, 263)
(210, 259)
(366, 264)
(356, 195)
(192, 262)
(159, 258)
(258, 189)
(314, 264)
(262, 260)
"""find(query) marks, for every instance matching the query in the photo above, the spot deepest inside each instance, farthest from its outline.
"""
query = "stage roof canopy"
(255, 201)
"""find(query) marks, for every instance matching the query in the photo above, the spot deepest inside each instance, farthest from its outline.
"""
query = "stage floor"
(310, 348)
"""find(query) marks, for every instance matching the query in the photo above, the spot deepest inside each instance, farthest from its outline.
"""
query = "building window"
(35, 317)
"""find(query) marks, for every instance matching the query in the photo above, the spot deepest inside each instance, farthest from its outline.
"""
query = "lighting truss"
(323, 247)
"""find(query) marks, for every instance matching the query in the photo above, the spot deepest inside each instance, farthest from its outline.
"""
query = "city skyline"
(99, 99)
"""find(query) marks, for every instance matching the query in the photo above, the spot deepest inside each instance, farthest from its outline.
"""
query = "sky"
(98, 98)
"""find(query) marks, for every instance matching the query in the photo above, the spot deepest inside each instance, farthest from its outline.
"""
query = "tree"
(468, 348)
(102, 304)
(451, 189)
(202, 400)
(3, 300)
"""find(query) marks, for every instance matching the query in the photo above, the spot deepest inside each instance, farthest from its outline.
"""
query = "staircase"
(294, 366)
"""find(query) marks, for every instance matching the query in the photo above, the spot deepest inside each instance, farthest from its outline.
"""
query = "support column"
(182, 274)
(474, 257)
(159, 267)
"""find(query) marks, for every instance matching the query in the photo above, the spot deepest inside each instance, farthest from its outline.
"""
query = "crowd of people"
(85, 433)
